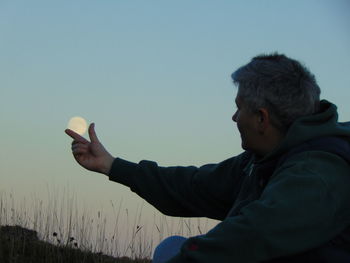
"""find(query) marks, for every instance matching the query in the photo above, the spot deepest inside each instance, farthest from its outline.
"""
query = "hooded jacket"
(304, 203)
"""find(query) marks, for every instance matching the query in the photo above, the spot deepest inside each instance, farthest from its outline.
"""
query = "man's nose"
(234, 117)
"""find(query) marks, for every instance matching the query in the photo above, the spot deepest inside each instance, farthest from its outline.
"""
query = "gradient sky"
(153, 75)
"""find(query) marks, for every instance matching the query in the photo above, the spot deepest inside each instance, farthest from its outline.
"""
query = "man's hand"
(91, 155)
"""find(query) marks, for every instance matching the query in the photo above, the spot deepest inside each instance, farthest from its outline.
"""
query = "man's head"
(273, 91)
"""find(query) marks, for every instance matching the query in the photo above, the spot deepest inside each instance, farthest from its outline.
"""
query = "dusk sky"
(154, 76)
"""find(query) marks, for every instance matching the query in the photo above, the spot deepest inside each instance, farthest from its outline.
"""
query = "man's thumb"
(92, 133)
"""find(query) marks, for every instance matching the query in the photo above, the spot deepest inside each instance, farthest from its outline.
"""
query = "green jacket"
(305, 203)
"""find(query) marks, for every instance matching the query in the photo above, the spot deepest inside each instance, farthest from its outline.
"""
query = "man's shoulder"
(323, 158)
(330, 144)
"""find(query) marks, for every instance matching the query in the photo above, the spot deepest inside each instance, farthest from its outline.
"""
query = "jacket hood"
(324, 123)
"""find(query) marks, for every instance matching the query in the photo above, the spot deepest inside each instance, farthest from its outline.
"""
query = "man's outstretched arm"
(178, 191)
(188, 191)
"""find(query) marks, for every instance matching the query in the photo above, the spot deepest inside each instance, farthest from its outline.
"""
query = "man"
(286, 198)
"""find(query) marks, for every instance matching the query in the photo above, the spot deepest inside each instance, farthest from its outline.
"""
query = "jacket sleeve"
(304, 205)
(207, 191)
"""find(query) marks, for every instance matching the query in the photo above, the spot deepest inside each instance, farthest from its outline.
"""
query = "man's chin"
(245, 147)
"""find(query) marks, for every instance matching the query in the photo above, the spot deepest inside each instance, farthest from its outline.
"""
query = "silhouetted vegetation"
(57, 229)
(21, 245)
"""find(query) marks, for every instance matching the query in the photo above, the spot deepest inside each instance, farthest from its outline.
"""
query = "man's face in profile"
(247, 125)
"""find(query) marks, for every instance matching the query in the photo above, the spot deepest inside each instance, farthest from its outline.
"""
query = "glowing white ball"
(77, 124)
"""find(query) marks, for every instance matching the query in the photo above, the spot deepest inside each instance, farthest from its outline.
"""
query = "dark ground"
(21, 245)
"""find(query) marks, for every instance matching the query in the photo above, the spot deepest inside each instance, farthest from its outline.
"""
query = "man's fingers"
(77, 145)
(79, 151)
(92, 133)
(75, 136)
(80, 148)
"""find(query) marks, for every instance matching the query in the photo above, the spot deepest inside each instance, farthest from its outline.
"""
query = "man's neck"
(270, 143)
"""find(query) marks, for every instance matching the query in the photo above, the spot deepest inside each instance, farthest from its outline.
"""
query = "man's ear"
(264, 120)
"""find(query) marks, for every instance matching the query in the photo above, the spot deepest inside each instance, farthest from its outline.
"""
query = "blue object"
(168, 248)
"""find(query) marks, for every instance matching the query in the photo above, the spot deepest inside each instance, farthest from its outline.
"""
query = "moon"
(77, 124)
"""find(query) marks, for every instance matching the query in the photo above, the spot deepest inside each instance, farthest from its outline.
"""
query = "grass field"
(21, 245)
(58, 230)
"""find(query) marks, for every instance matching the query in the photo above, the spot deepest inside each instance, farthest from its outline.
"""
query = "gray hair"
(286, 88)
